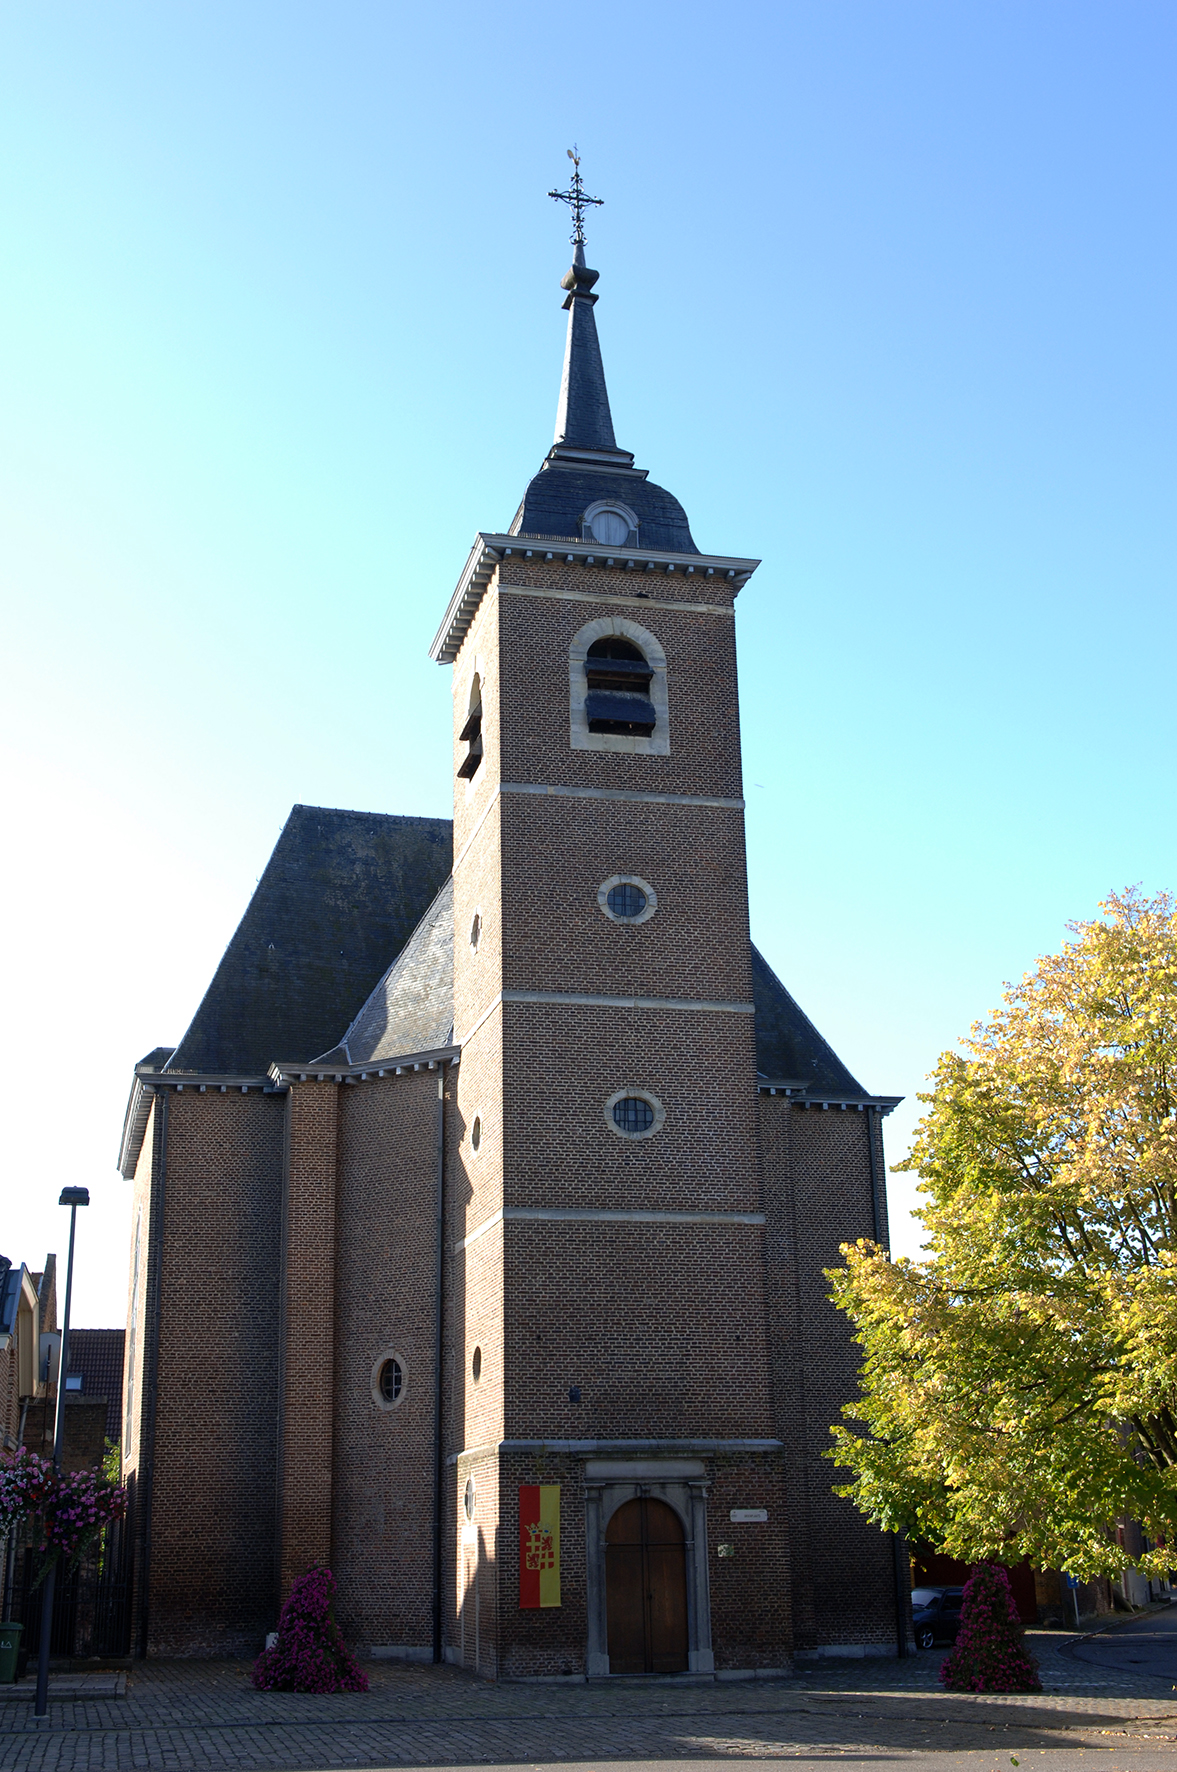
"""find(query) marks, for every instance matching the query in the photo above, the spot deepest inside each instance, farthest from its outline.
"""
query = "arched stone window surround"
(609, 504)
(580, 738)
(383, 1403)
(682, 1484)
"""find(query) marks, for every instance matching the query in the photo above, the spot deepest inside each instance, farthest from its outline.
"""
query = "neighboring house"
(1044, 1596)
(96, 1372)
(30, 1346)
(480, 1216)
(20, 1347)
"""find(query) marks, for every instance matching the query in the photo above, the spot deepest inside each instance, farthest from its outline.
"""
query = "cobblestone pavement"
(206, 1714)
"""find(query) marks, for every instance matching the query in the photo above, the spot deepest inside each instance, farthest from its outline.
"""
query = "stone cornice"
(803, 1094)
(618, 1448)
(282, 1075)
(489, 550)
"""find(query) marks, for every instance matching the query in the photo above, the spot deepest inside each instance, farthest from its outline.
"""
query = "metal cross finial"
(576, 199)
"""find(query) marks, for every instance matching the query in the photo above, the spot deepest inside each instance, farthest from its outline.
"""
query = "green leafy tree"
(1019, 1386)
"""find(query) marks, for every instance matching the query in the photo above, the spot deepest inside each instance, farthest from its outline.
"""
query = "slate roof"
(412, 1010)
(556, 500)
(787, 1043)
(412, 1007)
(583, 417)
(341, 893)
(98, 1355)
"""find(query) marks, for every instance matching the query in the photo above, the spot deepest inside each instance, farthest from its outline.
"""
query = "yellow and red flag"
(539, 1544)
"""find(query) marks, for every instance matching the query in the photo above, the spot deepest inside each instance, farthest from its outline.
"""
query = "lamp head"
(74, 1196)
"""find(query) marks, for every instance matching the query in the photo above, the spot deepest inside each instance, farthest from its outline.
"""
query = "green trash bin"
(9, 1650)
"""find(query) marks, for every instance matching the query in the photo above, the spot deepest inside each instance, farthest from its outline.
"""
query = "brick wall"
(306, 1423)
(818, 1193)
(212, 1487)
(385, 1252)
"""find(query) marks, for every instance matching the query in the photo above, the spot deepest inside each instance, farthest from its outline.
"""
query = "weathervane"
(576, 199)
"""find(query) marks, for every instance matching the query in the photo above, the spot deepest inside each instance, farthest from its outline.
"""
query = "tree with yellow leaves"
(1019, 1386)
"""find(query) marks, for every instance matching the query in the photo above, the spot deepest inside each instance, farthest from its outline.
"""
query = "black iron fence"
(91, 1602)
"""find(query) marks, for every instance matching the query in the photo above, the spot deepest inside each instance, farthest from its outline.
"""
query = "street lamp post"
(73, 1197)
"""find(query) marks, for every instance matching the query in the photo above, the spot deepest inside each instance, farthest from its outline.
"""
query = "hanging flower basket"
(67, 1510)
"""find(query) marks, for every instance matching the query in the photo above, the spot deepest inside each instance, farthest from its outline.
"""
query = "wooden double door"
(646, 1589)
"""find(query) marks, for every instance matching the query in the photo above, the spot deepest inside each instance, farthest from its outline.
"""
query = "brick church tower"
(608, 1193)
(525, 1307)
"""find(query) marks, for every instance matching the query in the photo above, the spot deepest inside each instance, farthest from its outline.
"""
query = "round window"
(626, 900)
(476, 931)
(392, 1381)
(469, 1498)
(611, 528)
(476, 1132)
(476, 1364)
(633, 1114)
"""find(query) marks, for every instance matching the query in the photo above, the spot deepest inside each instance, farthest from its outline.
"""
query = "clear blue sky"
(887, 299)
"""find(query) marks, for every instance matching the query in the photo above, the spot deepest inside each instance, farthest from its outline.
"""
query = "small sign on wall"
(749, 1516)
(539, 1544)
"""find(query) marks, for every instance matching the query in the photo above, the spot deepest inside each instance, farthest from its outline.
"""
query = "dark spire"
(583, 419)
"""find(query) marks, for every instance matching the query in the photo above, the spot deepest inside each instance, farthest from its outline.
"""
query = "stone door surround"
(682, 1484)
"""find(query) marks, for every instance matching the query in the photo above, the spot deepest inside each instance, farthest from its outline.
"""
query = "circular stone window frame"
(477, 1134)
(656, 1125)
(611, 507)
(606, 887)
(470, 1500)
(381, 1401)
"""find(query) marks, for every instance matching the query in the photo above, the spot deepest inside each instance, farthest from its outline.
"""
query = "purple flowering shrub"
(310, 1654)
(990, 1653)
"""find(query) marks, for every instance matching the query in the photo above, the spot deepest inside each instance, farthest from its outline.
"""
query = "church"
(479, 1216)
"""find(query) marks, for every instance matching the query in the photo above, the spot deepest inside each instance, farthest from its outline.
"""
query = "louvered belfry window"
(471, 733)
(619, 679)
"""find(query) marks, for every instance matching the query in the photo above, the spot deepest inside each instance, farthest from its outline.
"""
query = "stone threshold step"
(103, 1685)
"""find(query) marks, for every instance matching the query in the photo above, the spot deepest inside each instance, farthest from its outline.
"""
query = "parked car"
(935, 1612)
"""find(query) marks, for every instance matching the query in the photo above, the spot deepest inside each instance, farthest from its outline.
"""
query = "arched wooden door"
(646, 1589)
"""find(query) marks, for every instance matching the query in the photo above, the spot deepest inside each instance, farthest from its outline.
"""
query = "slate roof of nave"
(340, 895)
(412, 1007)
(411, 1010)
(787, 1043)
(342, 892)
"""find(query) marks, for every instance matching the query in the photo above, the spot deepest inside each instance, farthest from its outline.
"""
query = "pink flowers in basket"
(68, 1509)
(990, 1653)
(310, 1654)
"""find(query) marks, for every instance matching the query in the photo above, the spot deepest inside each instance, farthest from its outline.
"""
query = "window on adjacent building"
(392, 1380)
(618, 677)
